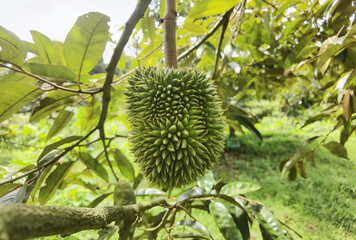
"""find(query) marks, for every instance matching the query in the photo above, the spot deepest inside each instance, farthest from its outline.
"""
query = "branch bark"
(20, 221)
(223, 29)
(137, 14)
(169, 34)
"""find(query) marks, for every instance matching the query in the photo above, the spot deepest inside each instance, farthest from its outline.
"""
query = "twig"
(223, 29)
(119, 80)
(21, 144)
(106, 138)
(242, 13)
(151, 52)
(185, 210)
(107, 157)
(164, 218)
(68, 149)
(207, 36)
(290, 229)
(275, 8)
(55, 86)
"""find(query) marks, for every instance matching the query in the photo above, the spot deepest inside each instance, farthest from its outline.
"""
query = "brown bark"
(169, 33)
(21, 221)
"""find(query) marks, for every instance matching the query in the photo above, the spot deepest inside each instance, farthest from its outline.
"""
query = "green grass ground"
(322, 206)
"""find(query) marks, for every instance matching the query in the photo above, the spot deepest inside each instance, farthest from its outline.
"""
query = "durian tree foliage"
(243, 49)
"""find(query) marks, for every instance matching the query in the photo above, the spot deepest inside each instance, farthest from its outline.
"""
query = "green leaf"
(206, 182)
(190, 193)
(293, 26)
(194, 28)
(239, 188)
(124, 165)
(15, 92)
(162, 8)
(89, 114)
(98, 200)
(94, 165)
(86, 41)
(52, 146)
(270, 227)
(240, 218)
(44, 47)
(23, 170)
(247, 124)
(4, 189)
(54, 101)
(206, 8)
(336, 149)
(53, 181)
(53, 71)
(297, 51)
(121, 64)
(287, 5)
(194, 225)
(59, 123)
(224, 221)
(21, 194)
(12, 49)
(137, 180)
(148, 28)
(149, 192)
(332, 47)
(40, 181)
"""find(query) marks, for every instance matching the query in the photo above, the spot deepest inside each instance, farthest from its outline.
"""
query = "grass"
(321, 206)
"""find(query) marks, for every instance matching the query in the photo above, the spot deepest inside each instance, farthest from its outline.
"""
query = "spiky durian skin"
(177, 124)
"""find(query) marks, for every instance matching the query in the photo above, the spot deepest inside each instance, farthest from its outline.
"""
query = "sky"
(55, 18)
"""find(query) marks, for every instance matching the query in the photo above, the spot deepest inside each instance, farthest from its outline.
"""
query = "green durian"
(177, 124)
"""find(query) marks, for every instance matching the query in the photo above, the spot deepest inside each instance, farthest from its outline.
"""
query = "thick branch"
(20, 221)
(210, 33)
(169, 34)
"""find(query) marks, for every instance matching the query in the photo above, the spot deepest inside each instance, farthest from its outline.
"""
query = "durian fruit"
(177, 124)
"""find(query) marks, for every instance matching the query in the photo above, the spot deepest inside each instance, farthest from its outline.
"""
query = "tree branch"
(169, 35)
(38, 169)
(107, 157)
(223, 29)
(55, 86)
(210, 33)
(120, 79)
(39, 221)
(137, 14)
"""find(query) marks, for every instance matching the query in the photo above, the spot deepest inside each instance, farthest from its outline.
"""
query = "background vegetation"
(286, 74)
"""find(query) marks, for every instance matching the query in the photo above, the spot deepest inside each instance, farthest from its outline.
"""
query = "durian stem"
(169, 33)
